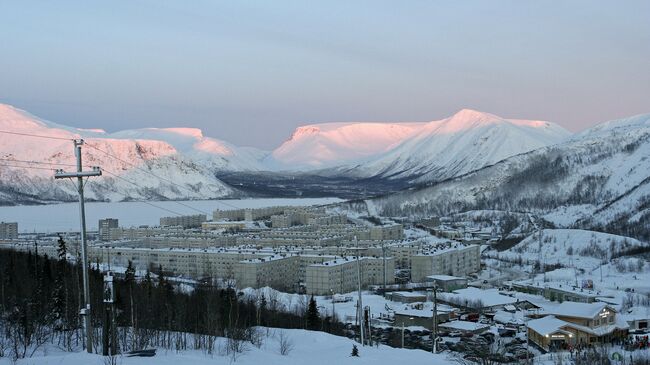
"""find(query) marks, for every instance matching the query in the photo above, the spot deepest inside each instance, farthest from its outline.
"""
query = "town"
(487, 302)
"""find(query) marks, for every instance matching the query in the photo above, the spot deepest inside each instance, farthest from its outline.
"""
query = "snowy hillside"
(605, 171)
(333, 144)
(217, 154)
(571, 248)
(316, 348)
(132, 160)
(464, 142)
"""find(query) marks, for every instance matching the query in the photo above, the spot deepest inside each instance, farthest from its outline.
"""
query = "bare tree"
(285, 345)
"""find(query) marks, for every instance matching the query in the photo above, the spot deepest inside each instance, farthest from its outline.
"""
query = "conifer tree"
(313, 317)
(62, 249)
(355, 351)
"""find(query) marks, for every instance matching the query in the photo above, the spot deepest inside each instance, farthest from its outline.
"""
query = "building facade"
(8, 230)
(105, 226)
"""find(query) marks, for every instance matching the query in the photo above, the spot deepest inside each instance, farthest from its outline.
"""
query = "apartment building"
(185, 221)
(452, 259)
(341, 275)
(105, 226)
(8, 230)
(387, 232)
(248, 214)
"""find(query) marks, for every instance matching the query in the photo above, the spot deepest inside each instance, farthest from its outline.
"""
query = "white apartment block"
(455, 259)
(185, 221)
(340, 275)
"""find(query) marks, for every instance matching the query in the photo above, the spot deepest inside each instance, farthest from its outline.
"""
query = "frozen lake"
(65, 217)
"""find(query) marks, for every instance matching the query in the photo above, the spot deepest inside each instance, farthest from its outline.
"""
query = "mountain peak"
(189, 132)
(474, 115)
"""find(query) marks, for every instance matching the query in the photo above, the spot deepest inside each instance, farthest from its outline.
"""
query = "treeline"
(40, 299)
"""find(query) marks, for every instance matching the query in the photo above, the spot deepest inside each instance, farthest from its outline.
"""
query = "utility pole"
(80, 174)
(434, 328)
(383, 253)
(359, 304)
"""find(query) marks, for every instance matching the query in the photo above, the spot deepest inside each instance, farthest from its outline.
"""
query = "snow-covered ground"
(309, 347)
(64, 217)
(571, 248)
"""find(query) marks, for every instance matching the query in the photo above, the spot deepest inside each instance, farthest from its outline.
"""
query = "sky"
(249, 72)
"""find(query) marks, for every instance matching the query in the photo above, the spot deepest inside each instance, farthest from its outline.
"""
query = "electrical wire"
(37, 135)
(38, 162)
(149, 172)
(102, 151)
(132, 183)
(29, 167)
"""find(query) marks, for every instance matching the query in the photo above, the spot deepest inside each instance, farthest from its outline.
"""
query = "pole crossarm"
(60, 174)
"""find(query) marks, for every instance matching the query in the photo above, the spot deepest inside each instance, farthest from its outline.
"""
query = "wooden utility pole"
(79, 175)
(109, 333)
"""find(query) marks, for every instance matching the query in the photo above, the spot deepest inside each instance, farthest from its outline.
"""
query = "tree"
(312, 316)
(62, 249)
(355, 351)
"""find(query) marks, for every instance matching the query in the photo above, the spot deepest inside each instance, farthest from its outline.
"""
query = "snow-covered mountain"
(325, 145)
(598, 179)
(423, 152)
(464, 142)
(127, 162)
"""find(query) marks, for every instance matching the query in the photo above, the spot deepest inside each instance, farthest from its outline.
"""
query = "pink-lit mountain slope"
(464, 142)
(24, 164)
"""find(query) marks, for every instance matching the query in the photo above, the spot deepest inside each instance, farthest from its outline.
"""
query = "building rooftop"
(547, 325)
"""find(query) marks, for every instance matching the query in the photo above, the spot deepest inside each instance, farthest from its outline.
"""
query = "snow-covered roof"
(409, 294)
(489, 297)
(426, 311)
(463, 325)
(444, 277)
(547, 325)
(580, 310)
(636, 314)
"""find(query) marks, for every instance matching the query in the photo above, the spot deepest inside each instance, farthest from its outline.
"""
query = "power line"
(142, 201)
(29, 167)
(150, 173)
(36, 135)
(104, 152)
(117, 192)
(38, 162)
(109, 172)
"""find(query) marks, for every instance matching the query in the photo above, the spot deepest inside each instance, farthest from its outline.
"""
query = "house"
(464, 326)
(477, 299)
(637, 318)
(407, 297)
(571, 323)
(421, 314)
(447, 282)
(558, 291)
(549, 333)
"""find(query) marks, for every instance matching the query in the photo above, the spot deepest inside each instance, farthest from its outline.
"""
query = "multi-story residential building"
(387, 232)
(105, 226)
(8, 230)
(185, 221)
(248, 214)
(451, 259)
(341, 275)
